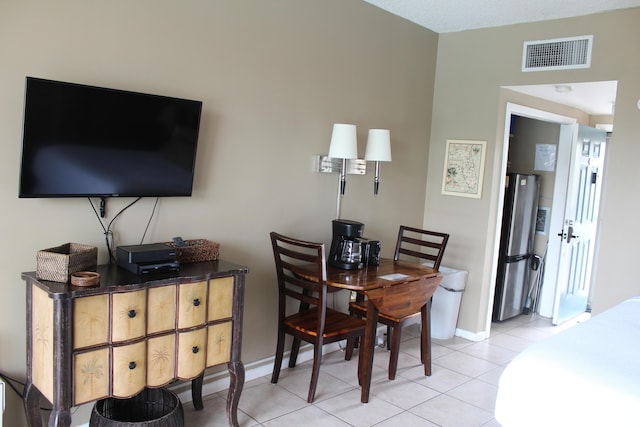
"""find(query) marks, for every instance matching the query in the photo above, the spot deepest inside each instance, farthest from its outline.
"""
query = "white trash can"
(445, 305)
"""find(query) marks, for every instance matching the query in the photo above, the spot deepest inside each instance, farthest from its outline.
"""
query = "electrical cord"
(10, 382)
(150, 218)
(108, 234)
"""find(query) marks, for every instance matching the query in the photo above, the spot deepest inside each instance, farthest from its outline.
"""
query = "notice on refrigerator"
(545, 157)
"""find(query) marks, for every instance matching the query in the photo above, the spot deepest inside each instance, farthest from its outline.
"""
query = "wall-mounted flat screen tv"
(86, 141)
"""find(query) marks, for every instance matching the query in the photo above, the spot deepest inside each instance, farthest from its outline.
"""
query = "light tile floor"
(460, 392)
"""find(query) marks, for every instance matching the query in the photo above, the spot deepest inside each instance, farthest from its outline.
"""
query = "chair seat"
(359, 308)
(337, 325)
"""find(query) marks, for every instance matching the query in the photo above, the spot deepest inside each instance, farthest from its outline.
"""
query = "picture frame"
(464, 168)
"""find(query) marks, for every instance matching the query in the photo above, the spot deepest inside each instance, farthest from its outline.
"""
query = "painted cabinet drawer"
(191, 353)
(128, 315)
(218, 343)
(220, 298)
(90, 375)
(161, 309)
(90, 321)
(129, 369)
(192, 304)
(161, 351)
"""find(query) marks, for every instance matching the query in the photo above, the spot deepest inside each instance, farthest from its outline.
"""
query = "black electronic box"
(149, 258)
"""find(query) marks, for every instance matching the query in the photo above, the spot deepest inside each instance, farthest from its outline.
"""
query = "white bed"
(587, 375)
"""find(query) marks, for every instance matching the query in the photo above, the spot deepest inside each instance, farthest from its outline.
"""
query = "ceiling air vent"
(557, 54)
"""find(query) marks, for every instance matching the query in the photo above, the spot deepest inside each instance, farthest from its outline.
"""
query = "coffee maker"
(349, 251)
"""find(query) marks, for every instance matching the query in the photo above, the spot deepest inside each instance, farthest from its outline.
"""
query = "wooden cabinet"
(132, 332)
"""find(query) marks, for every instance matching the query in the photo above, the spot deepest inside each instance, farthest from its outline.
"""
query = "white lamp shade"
(378, 145)
(344, 142)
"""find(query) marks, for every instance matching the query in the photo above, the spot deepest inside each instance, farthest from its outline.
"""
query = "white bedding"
(588, 375)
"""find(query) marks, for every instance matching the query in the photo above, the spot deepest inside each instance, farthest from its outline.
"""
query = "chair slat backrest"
(421, 244)
(293, 258)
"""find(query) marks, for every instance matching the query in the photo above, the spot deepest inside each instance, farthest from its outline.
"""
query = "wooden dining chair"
(312, 321)
(417, 245)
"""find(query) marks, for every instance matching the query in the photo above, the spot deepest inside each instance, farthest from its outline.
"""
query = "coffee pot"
(349, 250)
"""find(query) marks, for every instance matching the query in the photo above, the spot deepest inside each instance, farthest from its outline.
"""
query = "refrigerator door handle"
(516, 258)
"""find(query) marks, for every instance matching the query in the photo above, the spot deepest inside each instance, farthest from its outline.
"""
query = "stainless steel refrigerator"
(516, 245)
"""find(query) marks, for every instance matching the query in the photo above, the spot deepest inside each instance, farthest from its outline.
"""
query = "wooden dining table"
(398, 288)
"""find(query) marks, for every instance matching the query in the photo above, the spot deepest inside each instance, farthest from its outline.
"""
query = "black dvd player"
(149, 258)
(151, 268)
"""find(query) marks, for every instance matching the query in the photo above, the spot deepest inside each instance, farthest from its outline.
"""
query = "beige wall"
(274, 76)
(469, 104)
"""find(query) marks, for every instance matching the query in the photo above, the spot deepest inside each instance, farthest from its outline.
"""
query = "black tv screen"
(86, 141)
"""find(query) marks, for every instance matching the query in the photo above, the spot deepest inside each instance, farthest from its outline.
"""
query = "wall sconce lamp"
(344, 145)
(378, 150)
(344, 150)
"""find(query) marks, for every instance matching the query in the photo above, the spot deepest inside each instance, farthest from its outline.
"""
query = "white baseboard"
(2, 404)
(471, 336)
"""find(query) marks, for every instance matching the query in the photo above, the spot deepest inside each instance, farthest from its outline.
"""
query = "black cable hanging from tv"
(107, 229)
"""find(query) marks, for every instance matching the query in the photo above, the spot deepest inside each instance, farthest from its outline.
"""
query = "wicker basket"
(57, 264)
(150, 408)
(196, 250)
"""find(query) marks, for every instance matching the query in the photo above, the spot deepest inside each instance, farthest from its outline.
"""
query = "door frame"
(562, 165)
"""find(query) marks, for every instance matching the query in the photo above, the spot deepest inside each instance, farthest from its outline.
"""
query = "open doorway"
(552, 137)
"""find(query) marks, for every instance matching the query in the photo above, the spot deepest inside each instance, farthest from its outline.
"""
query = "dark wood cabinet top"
(114, 278)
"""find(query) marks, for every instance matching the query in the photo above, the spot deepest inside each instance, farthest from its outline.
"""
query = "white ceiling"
(445, 16)
(594, 98)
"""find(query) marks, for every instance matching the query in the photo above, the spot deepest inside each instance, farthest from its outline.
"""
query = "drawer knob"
(131, 314)
(195, 349)
(196, 301)
(132, 365)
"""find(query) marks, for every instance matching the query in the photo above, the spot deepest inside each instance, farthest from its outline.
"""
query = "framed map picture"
(464, 168)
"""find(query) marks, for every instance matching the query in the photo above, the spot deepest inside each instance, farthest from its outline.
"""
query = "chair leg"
(352, 312)
(360, 361)
(278, 362)
(395, 350)
(295, 346)
(348, 351)
(293, 356)
(425, 338)
(315, 371)
(389, 334)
